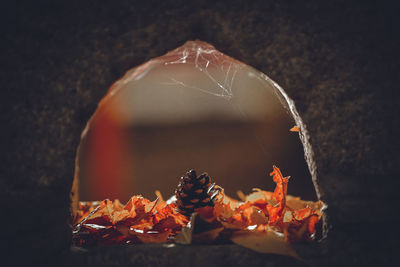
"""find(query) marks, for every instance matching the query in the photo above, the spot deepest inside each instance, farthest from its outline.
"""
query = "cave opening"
(193, 108)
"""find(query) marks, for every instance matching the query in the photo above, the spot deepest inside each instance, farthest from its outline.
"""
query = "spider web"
(218, 68)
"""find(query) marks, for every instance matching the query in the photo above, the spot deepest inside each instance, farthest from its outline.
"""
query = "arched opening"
(193, 108)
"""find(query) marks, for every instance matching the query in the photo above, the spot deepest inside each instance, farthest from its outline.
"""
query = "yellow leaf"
(268, 242)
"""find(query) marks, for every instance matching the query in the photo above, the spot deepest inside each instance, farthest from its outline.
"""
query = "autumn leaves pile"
(271, 219)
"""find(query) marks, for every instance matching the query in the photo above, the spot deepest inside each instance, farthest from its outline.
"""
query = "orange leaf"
(102, 214)
(295, 129)
(302, 214)
(254, 216)
(275, 212)
(169, 218)
(273, 218)
(153, 236)
(311, 223)
(207, 213)
(143, 224)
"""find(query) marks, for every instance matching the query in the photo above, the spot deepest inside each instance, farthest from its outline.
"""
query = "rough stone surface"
(162, 255)
(337, 60)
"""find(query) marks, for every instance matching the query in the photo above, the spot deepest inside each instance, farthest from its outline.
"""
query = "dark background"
(338, 60)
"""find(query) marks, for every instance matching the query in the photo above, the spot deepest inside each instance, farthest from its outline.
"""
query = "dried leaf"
(263, 221)
(169, 218)
(295, 129)
(137, 204)
(84, 209)
(260, 196)
(295, 203)
(207, 213)
(101, 215)
(264, 242)
(198, 230)
(223, 211)
(144, 224)
(241, 195)
(275, 211)
(254, 216)
(153, 236)
(185, 237)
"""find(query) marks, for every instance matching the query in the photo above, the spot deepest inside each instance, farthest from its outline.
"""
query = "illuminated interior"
(193, 108)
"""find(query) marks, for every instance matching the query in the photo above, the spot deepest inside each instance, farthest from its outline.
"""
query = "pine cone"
(195, 192)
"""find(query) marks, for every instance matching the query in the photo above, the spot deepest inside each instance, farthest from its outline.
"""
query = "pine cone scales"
(194, 192)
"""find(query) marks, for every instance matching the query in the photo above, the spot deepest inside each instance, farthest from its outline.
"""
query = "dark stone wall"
(337, 60)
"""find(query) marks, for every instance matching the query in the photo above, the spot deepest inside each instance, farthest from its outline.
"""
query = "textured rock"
(338, 61)
(164, 255)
